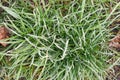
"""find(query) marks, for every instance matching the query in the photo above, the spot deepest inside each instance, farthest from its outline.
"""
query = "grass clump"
(57, 41)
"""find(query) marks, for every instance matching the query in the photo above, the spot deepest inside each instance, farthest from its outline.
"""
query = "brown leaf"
(4, 33)
(115, 42)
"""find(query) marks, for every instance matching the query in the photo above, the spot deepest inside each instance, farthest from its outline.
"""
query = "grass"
(56, 41)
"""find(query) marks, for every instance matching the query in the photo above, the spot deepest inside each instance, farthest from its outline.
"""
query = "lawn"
(59, 39)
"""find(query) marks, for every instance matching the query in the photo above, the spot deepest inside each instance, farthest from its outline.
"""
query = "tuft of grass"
(57, 41)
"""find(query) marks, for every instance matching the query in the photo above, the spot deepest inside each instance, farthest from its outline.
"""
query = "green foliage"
(48, 43)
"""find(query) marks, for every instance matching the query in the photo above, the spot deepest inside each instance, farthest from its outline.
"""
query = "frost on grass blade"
(11, 12)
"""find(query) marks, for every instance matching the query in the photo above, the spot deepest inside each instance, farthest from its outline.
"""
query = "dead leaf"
(115, 42)
(4, 33)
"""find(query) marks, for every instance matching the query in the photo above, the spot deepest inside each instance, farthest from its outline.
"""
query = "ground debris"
(114, 74)
(4, 33)
(115, 42)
